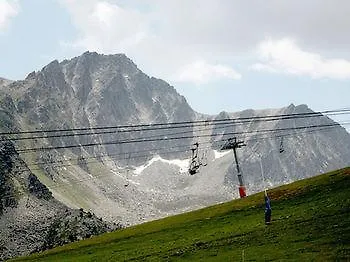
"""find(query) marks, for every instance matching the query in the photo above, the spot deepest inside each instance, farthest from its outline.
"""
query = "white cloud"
(285, 56)
(110, 27)
(201, 72)
(8, 9)
(104, 26)
(163, 36)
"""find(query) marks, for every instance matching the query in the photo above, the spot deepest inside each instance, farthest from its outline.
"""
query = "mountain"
(4, 82)
(96, 90)
(320, 150)
(115, 174)
(88, 91)
(30, 218)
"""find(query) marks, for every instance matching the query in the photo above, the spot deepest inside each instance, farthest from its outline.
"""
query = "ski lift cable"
(153, 138)
(113, 156)
(170, 125)
(209, 147)
(222, 125)
(293, 134)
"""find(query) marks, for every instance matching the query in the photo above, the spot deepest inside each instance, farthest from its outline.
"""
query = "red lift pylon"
(233, 144)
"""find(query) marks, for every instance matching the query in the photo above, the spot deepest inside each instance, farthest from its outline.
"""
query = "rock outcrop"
(30, 218)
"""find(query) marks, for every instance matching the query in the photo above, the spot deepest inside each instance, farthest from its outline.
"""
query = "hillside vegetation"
(311, 222)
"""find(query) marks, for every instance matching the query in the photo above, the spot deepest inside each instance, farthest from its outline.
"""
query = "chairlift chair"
(281, 145)
(195, 161)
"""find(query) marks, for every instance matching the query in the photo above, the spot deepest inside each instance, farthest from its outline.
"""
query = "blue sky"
(221, 55)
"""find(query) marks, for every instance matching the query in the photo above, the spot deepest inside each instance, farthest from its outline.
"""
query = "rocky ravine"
(30, 218)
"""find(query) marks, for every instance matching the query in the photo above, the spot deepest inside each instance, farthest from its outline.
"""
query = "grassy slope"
(311, 221)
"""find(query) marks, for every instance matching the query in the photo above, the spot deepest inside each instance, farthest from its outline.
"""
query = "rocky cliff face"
(4, 82)
(135, 182)
(30, 218)
(96, 90)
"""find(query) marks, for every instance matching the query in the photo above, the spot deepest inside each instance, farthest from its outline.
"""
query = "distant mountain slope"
(310, 222)
(305, 151)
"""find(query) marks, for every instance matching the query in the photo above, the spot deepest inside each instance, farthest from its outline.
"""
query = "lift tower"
(233, 144)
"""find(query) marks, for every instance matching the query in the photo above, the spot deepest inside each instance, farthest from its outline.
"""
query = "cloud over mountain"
(166, 35)
(285, 56)
(201, 72)
(8, 10)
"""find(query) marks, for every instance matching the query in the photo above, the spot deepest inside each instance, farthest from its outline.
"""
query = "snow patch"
(182, 164)
(218, 154)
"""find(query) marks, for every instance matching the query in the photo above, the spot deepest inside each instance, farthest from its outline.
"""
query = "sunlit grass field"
(310, 222)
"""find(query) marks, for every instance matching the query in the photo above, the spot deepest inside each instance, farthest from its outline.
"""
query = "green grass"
(311, 222)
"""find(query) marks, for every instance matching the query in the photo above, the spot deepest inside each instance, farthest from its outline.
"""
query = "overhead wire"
(157, 138)
(156, 150)
(235, 133)
(171, 152)
(216, 126)
(88, 178)
(181, 124)
(129, 154)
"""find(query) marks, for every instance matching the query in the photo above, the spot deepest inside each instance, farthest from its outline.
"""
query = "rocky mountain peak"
(106, 89)
(4, 82)
(223, 115)
(52, 66)
(303, 108)
(30, 75)
(96, 90)
(101, 65)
